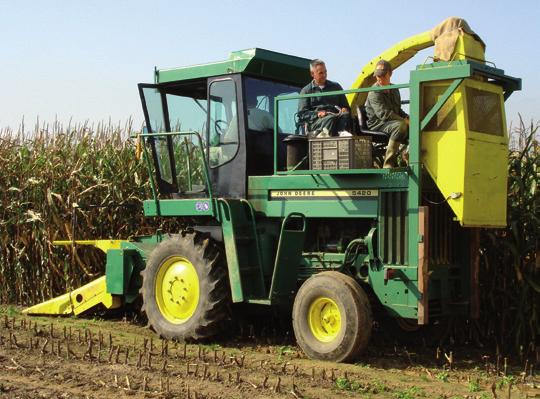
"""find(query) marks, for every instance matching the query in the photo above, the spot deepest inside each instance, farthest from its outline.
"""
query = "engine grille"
(393, 228)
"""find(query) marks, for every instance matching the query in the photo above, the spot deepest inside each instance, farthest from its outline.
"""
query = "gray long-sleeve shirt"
(383, 106)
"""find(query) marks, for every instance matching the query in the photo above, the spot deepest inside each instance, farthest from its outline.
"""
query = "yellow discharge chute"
(453, 40)
(396, 56)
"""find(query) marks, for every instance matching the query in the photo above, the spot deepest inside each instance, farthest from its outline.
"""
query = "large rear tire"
(332, 317)
(184, 291)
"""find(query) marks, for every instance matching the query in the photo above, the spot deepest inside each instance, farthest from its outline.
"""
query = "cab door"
(156, 117)
(226, 137)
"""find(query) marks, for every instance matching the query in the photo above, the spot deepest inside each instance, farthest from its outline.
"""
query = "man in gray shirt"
(330, 113)
(384, 113)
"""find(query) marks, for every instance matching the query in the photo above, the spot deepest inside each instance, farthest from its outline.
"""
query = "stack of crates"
(335, 153)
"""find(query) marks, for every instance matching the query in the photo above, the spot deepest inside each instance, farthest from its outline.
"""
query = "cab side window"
(223, 123)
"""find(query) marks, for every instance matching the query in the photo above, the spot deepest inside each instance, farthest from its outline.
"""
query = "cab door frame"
(229, 180)
(164, 186)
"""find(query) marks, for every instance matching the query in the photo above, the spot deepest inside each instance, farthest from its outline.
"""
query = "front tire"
(184, 291)
(332, 317)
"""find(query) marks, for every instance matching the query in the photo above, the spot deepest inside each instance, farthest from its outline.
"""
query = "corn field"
(510, 265)
(84, 182)
(64, 183)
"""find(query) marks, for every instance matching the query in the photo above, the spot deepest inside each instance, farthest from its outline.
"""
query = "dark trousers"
(397, 130)
(333, 123)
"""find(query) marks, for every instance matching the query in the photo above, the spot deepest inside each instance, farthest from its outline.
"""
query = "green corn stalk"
(46, 176)
(510, 265)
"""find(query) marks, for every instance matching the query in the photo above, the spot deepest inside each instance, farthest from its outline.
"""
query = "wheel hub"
(177, 289)
(324, 319)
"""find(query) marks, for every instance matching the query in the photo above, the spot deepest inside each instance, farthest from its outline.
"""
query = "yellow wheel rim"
(177, 289)
(324, 319)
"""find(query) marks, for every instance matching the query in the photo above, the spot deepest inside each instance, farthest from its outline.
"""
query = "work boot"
(390, 157)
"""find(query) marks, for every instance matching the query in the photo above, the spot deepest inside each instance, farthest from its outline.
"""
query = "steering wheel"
(220, 126)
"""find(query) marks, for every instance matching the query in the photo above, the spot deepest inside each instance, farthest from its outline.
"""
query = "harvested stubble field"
(89, 358)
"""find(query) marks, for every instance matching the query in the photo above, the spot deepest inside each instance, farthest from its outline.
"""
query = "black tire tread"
(354, 341)
(365, 304)
(213, 305)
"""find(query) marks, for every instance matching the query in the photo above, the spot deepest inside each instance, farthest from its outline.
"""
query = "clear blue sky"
(83, 59)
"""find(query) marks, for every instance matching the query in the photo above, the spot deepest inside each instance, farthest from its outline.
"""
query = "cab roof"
(254, 62)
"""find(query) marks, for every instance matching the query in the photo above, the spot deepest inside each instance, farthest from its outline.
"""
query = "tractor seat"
(376, 136)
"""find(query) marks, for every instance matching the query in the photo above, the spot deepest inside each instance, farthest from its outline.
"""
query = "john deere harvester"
(310, 225)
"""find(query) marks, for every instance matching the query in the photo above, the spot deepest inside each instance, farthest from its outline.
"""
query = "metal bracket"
(373, 260)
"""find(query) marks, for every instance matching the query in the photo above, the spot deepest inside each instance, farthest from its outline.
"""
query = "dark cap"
(382, 67)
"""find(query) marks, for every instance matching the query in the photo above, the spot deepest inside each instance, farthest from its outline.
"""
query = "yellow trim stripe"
(323, 194)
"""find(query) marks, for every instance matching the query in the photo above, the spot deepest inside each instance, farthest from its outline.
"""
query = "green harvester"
(310, 225)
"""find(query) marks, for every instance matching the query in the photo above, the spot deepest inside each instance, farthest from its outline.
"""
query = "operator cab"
(227, 110)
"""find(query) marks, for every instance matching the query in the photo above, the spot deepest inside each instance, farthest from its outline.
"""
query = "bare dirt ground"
(96, 358)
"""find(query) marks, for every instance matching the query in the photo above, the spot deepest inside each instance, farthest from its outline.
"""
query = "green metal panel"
(124, 266)
(365, 178)
(380, 172)
(119, 269)
(508, 83)
(398, 295)
(414, 192)
(235, 281)
(268, 234)
(242, 250)
(144, 245)
(259, 187)
(184, 207)
(291, 242)
(312, 208)
(255, 62)
(114, 270)
(262, 188)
